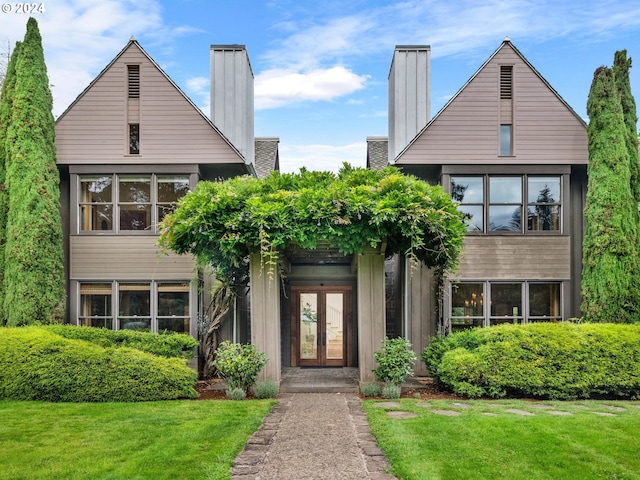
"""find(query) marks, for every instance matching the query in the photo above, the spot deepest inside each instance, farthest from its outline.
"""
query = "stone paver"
(517, 411)
(613, 408)
(401, 415)
(604, 414)
(387, 404)
(460, 405)
(446, 413)
(559, 412)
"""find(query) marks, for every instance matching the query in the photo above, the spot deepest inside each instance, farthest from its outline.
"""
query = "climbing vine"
(222, 223)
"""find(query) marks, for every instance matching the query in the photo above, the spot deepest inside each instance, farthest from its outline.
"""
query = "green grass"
(474, 445)
(156, 440)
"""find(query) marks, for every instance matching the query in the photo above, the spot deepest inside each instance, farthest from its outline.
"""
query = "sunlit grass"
(487, 442)
(154, 440)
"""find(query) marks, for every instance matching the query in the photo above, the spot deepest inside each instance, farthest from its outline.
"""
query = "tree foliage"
(609, 293)
(221, 223)
(34, 262)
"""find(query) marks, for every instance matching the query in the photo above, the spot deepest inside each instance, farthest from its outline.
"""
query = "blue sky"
(321, 66)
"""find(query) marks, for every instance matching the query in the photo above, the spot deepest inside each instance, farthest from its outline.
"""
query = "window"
(133, 80)
(500, 209)
(147, 306)
(142, 201)
(505, 140)
(134, 139)
(506, 82)
(508, 302)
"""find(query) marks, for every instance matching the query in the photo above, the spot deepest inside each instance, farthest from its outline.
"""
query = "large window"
(141, 201)
(475, 304)
(495, 203)
(146, 306)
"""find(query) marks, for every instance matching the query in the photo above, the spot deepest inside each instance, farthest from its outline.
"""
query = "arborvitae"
(611, 229)
(34, 260)
(6, 100)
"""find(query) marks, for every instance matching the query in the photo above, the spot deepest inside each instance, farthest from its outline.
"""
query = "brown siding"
(125, 257)
(95, 131)
(467, 131)
(518, 257)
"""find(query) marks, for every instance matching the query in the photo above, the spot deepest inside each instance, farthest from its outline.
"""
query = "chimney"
(232, 96)
(409, 95)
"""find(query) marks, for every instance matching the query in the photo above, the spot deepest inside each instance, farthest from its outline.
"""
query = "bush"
(36, 364)
(395, 361)
(543, 360)
(371, 390)
(266, 389)
(391, 391)
(239, 364)
(235, 393)
(166, 345)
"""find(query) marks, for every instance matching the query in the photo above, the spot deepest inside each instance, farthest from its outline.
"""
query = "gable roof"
(133, 43)
(377, 152)
(267, 157)
(504, 45)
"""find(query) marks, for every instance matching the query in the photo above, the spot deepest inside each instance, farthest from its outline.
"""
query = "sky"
(321, 67)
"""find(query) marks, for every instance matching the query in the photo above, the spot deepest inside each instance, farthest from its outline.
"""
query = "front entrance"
(321, 326)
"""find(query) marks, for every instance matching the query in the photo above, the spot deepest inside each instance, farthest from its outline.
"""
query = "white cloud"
(321, 157)
(197, 88)
(277, 87)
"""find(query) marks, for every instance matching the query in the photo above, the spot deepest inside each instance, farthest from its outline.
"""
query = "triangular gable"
(466, 130)
(93, 129)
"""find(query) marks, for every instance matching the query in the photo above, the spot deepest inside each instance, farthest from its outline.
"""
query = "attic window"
(134, 80)
(506, 81)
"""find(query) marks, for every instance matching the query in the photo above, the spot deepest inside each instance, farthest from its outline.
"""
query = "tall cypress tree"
(34, 262)
(611, 230)
(6, 101)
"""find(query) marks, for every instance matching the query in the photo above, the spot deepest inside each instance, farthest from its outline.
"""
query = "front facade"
(508, 149)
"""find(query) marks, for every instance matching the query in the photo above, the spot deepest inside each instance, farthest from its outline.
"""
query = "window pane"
(135, 189)
(135, 217)
(506, 300)
(467, 189)
(543, 217)
(505, 189)
(543, 190)
(544, 300)
(467, 299)
(95, 305)
(96, 217)
(505, 140)
(173, 300)
(134, 309)
(95, 190)
(173, 324)
(505, 218)
(474, 217)
(134, 139)
(172, 189)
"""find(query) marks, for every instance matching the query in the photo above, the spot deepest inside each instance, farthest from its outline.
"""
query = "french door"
(321, 324)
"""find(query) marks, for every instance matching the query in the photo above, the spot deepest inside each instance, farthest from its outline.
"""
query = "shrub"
(239, 363)
(162, 344)
(371, 390)
(266, 389)
(544, 360)
(36, 364)
(391, 391)
(235, 393)
(395, 361)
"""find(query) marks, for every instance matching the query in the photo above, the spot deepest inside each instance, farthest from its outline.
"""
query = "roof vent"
(134, 80)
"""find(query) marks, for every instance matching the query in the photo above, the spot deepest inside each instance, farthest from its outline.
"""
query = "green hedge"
(163, 344)
(37, 364)
(542, 360)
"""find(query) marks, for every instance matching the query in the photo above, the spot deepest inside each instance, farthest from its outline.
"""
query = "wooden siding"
(95, 131)
(545, 130)
(125, 257)
(528, 257)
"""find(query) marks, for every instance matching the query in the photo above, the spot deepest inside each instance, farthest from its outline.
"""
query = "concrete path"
(313, 436)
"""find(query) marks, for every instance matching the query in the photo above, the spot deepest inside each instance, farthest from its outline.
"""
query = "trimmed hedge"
(163, 344)
(37, 364)
(542, 360)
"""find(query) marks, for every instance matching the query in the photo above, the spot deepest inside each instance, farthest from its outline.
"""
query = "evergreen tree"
(6, 100)
(611, 230)
(34, 261)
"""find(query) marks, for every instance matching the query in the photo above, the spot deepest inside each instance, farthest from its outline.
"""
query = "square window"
(544, 302)
(506, 303)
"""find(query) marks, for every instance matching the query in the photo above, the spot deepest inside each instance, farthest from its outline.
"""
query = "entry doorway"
(321, 326)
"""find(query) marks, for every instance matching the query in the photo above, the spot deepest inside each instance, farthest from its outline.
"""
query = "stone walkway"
(313, 436)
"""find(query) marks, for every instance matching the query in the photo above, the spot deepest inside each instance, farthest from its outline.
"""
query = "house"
(507, 147)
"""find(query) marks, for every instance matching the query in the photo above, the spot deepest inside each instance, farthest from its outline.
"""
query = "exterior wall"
(95, 129)
(422, 305)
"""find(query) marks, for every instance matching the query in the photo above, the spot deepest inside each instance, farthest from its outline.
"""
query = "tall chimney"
(232, 96)
(409, 95)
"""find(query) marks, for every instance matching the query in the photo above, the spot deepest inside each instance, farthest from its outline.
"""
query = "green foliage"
(34, 260)
(235, 393)
(6, 104)
(391, 391)
(223, 222)
(239, 364)
(548, 360)
(167, 345)
(36, 364)
(395, 361)
(370, 390)
(266, 389)
(610, 248)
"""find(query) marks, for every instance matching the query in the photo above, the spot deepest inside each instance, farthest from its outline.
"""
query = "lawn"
(154, 440)
(590, 440)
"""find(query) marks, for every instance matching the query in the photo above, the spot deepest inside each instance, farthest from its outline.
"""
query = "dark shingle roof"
(377, 152)
(266, 155)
